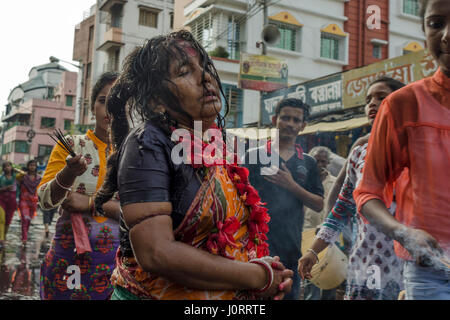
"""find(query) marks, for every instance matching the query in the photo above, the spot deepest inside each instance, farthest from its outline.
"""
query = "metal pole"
(265, 23)
(264, 52)
(31, 140)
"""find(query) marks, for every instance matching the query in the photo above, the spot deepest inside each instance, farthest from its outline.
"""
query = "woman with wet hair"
(190, 230)
(28, 199)
(412, 132)
(82, 237)
(8, 202)
(370, 248)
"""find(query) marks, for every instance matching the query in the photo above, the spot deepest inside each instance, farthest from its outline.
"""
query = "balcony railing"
(113, 38)
(106, 5)
(10, 125)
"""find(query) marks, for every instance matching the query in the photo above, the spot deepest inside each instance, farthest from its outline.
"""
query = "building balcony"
(112, 39)
(194, 5)
(106, 5)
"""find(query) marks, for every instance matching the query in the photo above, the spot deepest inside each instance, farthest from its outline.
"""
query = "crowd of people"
(140, 225)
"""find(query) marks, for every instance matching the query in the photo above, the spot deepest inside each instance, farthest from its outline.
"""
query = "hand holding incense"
(62, 141)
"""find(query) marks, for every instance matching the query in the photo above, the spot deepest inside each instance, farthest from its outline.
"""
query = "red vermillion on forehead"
(191, 51)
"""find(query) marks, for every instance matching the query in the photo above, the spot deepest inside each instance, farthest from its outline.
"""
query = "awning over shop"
(337, 126)
(251, 133)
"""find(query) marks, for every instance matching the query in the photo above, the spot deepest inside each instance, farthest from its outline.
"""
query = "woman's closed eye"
(183, 70)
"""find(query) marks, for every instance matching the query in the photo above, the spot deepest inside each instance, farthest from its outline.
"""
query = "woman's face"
(375, 95)
(202, 105)
(437, 32)
(102, 120)
(32, 167)
(7, 168)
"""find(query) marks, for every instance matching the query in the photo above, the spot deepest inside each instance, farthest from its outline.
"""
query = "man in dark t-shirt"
(296, 183)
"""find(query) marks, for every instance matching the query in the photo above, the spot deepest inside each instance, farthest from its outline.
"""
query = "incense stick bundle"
(62, 142)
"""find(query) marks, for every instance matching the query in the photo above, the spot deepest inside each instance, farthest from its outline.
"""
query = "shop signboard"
(407, 68)
(323, 95)
(262, 73)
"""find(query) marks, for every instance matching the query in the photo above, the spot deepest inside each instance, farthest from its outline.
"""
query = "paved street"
(20, 267)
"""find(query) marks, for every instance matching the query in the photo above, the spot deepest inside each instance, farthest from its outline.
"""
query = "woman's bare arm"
(158, 252)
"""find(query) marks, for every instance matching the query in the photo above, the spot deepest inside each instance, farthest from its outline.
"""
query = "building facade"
(110, 32)
(83, 52)
(318, 38)
(43, 103)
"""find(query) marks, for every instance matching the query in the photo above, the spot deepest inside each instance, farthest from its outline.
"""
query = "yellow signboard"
(262, 73)
(407, 68)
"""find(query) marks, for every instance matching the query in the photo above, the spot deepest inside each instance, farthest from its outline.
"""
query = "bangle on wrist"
(100, 210)
(91, 206)
(314, 253)
(69, 188)
(269, 271)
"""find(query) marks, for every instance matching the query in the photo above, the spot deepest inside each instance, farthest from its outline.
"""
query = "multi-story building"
(83, 52)
(398, 33)
(45, 102)
(318, 38)
(111, 30)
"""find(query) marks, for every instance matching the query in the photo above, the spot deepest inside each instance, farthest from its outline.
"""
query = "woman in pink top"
(412, 132)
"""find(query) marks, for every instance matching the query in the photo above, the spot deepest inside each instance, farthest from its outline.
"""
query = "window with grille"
(69, 101)
(289, 37)
(376, 51)
(50, 93)
(233, 38)
(411, 7)
(329, 47)
(48, 122)
(44, 150)
(172, 19)
(202, 29)
(235, 99)
(148, 18)
(21, 146)
(67, 124)
(6, 148)
(116, 16)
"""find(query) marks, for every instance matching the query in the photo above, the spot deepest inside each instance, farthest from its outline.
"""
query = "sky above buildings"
(32, 31)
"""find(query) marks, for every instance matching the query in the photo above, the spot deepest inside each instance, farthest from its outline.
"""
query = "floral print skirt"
(62, 264)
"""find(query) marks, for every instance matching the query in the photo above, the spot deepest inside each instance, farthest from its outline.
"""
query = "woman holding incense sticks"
(76, 169)
(28, 199)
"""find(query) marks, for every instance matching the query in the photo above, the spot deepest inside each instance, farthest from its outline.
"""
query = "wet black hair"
(393, 84)
(143, 86)
(105, 79)
(294, 103)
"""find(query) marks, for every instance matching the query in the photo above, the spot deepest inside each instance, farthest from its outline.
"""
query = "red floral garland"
(257, 226)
